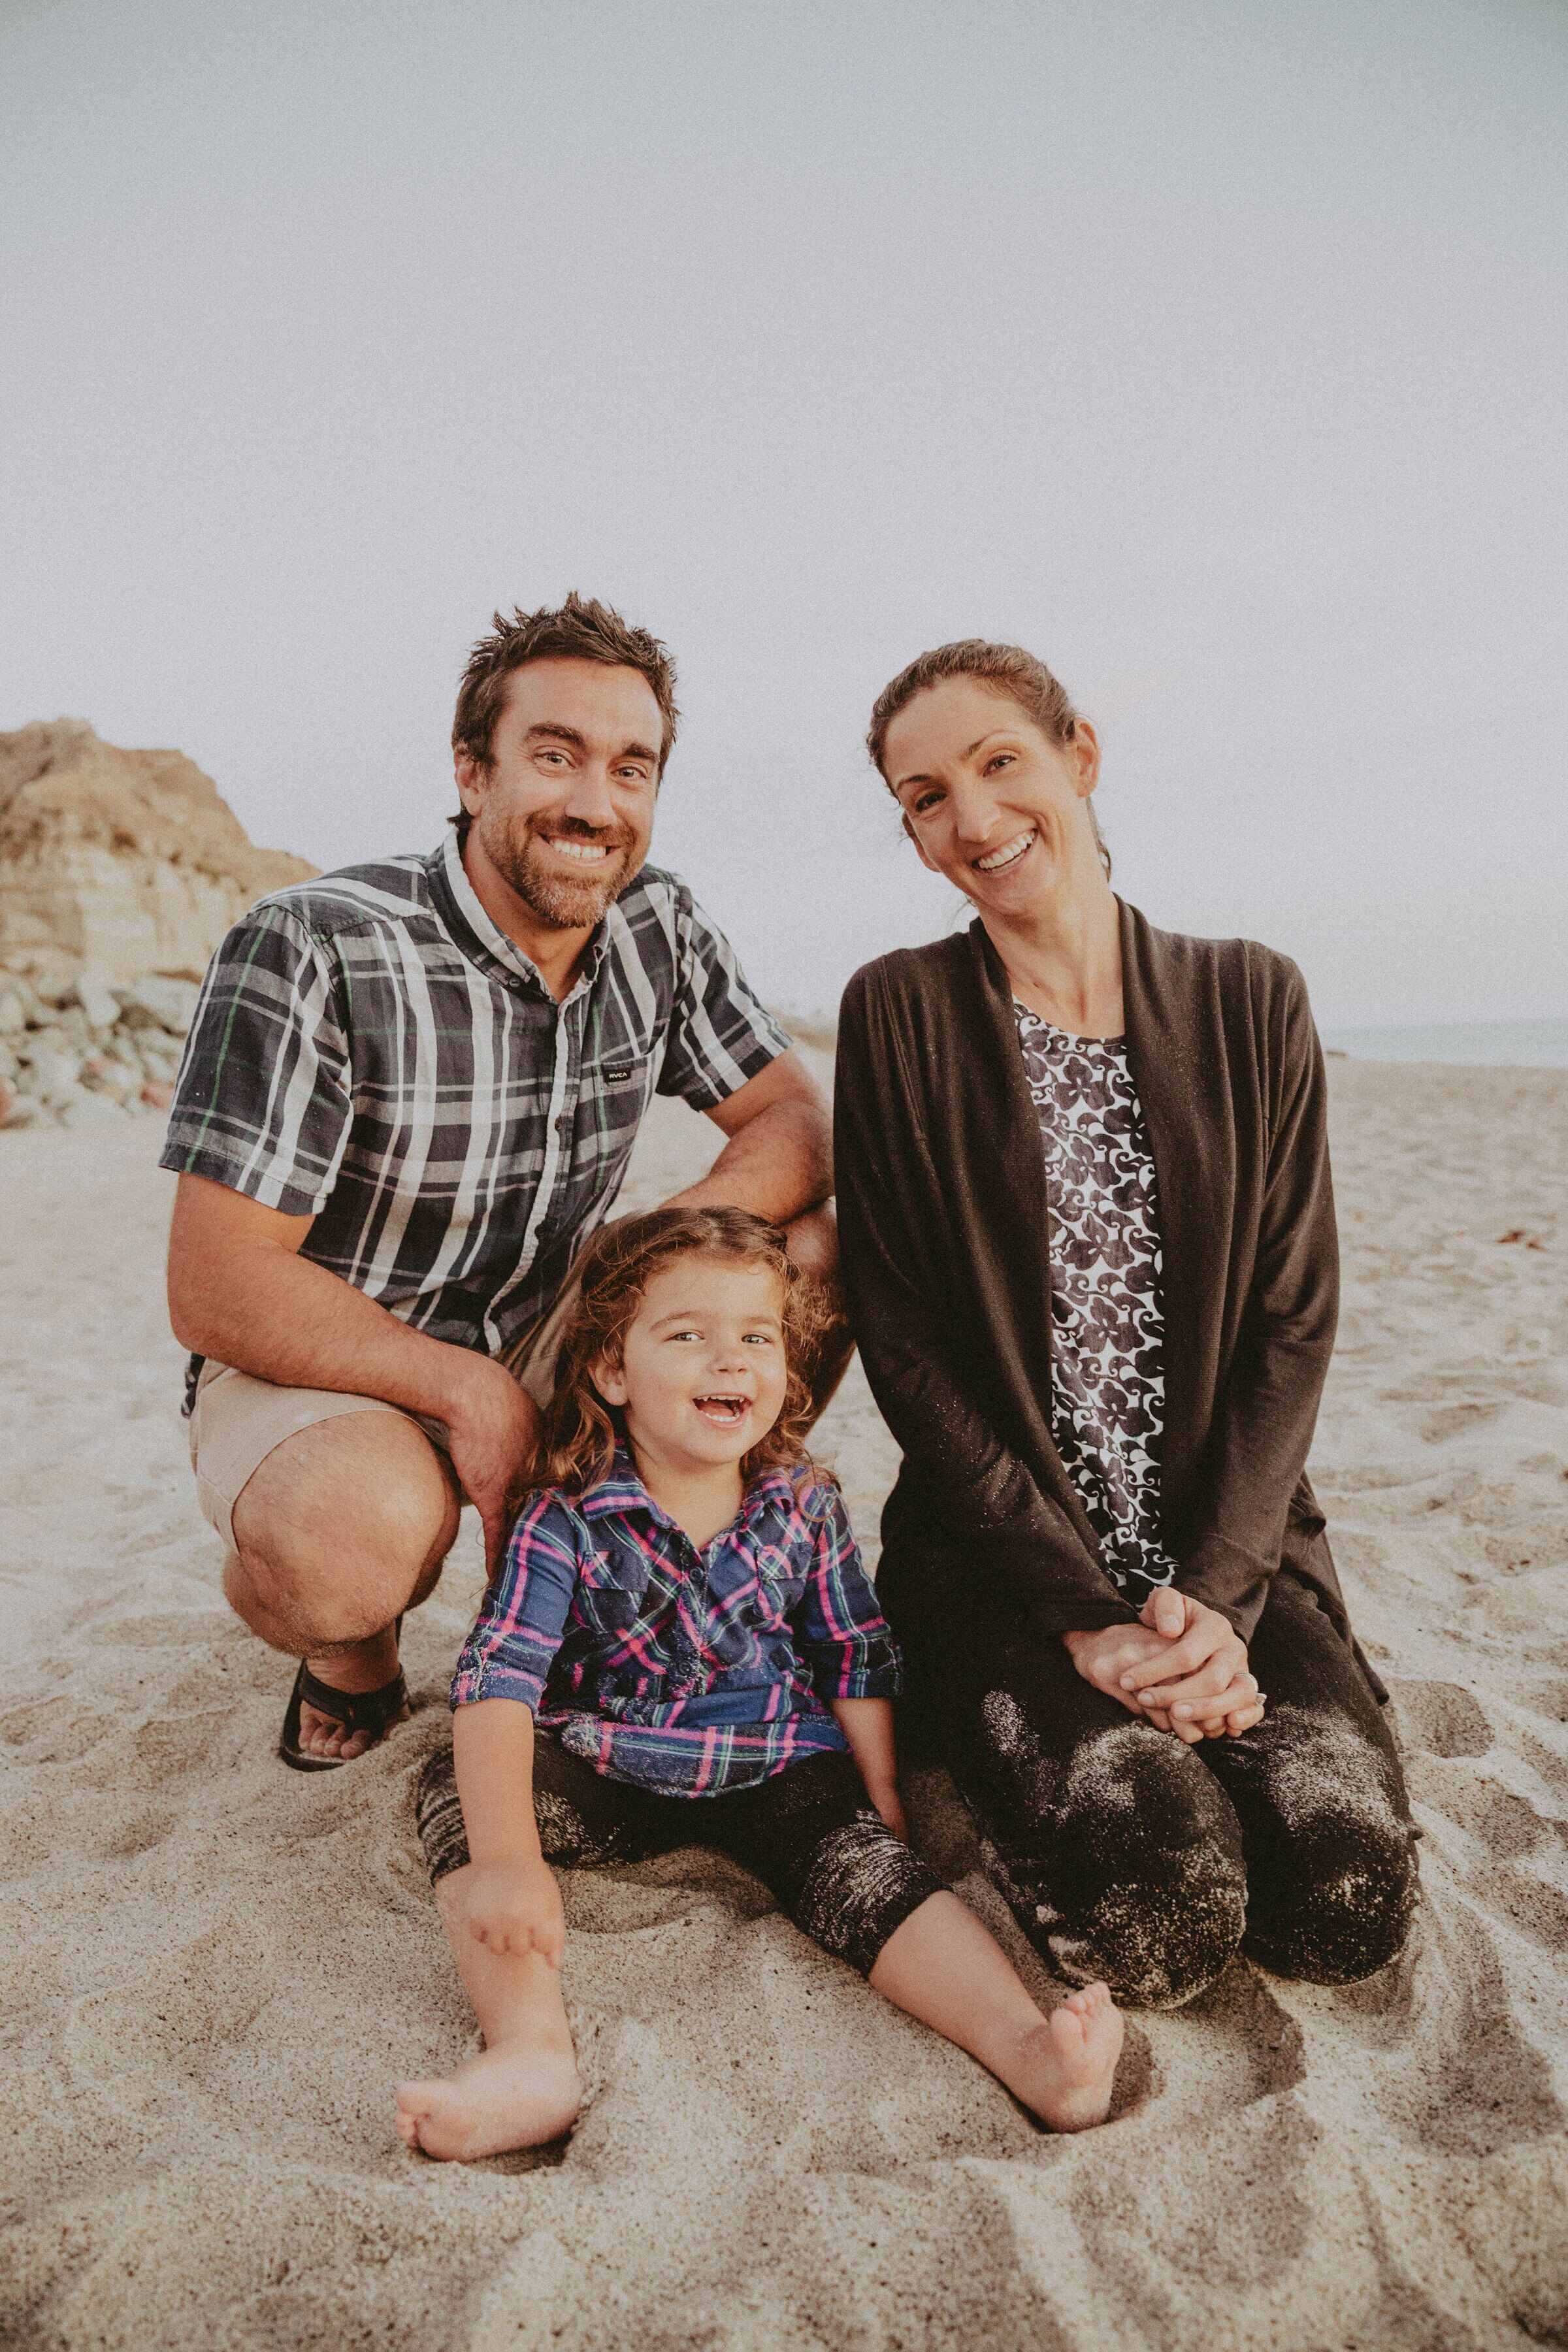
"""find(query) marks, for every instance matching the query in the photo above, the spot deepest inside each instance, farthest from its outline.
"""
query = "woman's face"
(989, 800)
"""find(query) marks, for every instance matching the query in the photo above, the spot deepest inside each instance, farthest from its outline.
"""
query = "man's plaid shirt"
(685, 1671)
(371, 1051)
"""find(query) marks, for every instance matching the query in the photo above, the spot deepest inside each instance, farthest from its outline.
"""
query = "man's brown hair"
(1010, 670)
(577, 1435)
(580, 630)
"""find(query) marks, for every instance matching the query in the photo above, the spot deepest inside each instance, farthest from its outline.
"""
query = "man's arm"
(778, 1162)
(240, 1291)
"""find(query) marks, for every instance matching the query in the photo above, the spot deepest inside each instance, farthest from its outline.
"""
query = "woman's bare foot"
(1065, 2063)
(517, 2096)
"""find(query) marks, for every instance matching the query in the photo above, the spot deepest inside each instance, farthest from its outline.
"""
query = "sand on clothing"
(214, 1969)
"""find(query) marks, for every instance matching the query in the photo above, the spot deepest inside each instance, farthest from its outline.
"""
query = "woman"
(1088, 1246)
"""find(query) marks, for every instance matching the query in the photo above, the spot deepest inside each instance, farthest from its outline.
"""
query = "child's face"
(702, 1378)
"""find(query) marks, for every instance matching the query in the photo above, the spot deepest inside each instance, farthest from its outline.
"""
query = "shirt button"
(565, 1123)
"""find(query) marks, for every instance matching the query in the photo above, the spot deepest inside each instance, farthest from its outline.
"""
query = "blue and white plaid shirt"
(371, 1051)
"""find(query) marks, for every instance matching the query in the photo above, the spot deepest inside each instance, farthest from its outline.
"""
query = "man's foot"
(1067, 2062)
(366, 1667)
(513, 2097)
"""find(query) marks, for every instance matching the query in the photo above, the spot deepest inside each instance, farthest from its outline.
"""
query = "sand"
(214, 1969)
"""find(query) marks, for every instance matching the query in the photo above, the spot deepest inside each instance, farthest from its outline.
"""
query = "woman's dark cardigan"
(945, 1236)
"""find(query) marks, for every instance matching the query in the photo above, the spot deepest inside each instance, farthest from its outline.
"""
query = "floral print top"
(1108, 1322)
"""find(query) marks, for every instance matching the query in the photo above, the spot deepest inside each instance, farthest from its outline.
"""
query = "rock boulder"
(124, 863)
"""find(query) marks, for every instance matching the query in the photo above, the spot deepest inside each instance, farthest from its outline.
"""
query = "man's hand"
(1199, 1684)
(512, 1907)
(239, 1290)
(493, 1429)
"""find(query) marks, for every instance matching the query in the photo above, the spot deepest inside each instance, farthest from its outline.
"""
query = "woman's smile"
(997, 861)
(991, 801)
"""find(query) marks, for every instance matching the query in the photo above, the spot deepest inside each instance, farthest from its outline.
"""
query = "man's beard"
(557, 899)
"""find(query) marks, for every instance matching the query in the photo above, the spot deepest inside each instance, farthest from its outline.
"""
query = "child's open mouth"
(723, 1411)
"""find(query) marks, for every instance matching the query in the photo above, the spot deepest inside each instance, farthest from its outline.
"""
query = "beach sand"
(214, 1969)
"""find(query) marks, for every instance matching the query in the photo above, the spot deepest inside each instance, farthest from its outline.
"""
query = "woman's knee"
(1331, 1851)
(1138, 1878)
(1345, 1906)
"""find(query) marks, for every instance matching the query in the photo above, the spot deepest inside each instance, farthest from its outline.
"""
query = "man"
(410, 1093)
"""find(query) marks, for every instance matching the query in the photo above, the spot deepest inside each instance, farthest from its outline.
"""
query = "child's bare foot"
(1066, 2061)
(517, 2096)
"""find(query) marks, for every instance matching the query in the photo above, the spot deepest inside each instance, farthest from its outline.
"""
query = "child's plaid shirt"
(684, 1671)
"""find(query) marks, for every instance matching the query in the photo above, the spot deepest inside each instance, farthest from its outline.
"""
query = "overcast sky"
(1215, 351)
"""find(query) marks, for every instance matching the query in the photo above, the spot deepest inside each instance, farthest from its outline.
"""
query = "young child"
(682, 1648)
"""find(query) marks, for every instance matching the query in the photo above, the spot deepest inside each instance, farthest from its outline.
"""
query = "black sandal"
(371, 1711)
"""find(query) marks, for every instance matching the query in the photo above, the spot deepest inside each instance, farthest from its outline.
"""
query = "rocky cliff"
(118, 863)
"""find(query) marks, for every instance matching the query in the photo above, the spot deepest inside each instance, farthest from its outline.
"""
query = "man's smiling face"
(563, 813)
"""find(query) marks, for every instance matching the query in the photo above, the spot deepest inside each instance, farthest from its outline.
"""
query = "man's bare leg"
(522, 2089)
(339, 1529)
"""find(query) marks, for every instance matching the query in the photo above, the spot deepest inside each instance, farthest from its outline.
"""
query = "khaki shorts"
(236, 1420)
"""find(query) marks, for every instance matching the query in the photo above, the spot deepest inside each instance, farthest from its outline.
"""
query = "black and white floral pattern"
(1108, 1322)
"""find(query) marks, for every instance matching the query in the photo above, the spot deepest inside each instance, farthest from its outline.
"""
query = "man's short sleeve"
(263, 1101)
(721, 1033)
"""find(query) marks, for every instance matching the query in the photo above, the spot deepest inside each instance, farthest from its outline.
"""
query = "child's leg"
(855, 1889)
(523, 2088)
(947, 1969)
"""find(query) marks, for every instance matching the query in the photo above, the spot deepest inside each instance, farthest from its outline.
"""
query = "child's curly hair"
(578, 1432)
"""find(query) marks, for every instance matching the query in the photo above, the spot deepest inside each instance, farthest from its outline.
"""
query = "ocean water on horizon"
(1506, 1044)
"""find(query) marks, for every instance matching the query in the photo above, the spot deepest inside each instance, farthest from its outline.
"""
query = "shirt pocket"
(615, 1076)
(780, 1586)
(618, 1084)
(612, 1593)
(749, 1601)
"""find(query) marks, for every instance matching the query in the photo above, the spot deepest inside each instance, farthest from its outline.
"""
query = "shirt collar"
(623, 1491)
(445, 868)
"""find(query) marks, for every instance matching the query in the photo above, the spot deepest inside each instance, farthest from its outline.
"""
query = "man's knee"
(1137, 1877)
(342, 1526)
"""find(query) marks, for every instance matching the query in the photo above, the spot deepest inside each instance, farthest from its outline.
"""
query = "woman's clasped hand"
(1183, 1666)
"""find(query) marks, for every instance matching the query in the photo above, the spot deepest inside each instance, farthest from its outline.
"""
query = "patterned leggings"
(809, 1832)
(1126, 1855)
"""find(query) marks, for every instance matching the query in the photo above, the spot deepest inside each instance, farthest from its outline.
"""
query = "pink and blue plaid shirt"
(683, 1671)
